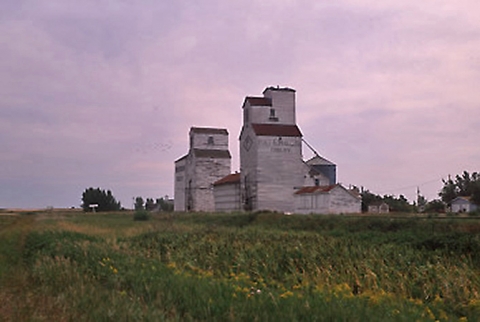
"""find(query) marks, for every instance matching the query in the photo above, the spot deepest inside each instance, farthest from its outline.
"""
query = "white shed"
(333, 199)
(463, 204)
(226, 193)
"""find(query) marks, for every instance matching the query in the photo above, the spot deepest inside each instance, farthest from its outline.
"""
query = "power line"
(412, 186)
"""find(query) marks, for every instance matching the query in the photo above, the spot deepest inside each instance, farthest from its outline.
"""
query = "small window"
(210, 140)
(273, 117)
(317, 182)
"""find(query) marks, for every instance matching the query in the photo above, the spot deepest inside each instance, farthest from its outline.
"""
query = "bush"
(141, 215)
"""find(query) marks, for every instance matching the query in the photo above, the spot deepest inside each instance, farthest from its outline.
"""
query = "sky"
(103, 93)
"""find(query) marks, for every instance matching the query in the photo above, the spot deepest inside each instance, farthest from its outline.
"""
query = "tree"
(476, 192)
(161, 204)
(435, 206)
(104, 199)
(164, 205)
(369, 198)
(139, 203)
(399, 204)
(449, 191)
(464, 185)
(150, 204)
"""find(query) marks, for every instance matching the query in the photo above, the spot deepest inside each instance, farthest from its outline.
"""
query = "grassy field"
(60, 266)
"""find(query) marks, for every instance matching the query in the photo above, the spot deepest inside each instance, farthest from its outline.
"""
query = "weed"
(262, 266)
(141, 215)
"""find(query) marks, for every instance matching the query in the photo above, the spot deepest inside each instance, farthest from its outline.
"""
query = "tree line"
(462, 185)
(160, 204)
(97, 199)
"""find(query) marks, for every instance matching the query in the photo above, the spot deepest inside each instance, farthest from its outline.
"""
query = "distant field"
(66, 265)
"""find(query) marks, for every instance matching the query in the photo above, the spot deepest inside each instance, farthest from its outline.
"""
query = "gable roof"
(325, 189)
(276, 130)
(462, 199)
(312, 189)
(231, 178)
(318, 160)
(216, 154)
(258, 101)
(208, 130)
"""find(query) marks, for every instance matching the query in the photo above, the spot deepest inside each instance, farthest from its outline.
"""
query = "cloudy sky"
(103, 93)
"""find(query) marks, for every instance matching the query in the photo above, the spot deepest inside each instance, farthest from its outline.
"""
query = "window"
(272, 115)
(210, 140)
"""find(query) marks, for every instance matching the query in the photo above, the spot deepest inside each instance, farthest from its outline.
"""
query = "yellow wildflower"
(428, 313)
(286, 294)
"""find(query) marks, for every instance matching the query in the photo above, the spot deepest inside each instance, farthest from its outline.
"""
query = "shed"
(379, 208)
(332, 199)
(226, 193)
(463, 204)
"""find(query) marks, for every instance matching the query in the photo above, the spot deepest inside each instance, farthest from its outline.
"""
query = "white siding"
(207, 141)
(227, 197)
(180, 177)
(283, 101)
(343, 202)
(248, 166)
(336, 201)
(462, 205)
(280, 170)
(194, 176)
(207, 171)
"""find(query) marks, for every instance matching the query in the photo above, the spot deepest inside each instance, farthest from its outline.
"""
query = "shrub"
(141, 215)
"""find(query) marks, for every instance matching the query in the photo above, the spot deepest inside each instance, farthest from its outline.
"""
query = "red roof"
(258, 101)
(231, 178)
(276, 130)
(313, 189)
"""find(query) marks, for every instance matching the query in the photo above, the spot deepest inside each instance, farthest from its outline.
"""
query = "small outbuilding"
(332, 199)
(226, 192)
(379, 208)
(463, 204)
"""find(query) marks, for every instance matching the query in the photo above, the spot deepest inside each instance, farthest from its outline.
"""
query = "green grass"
(239, 267)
